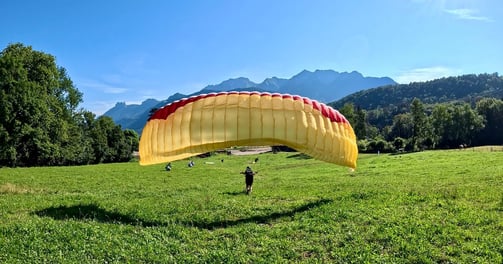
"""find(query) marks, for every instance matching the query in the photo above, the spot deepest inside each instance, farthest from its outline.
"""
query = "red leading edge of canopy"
(325, 110)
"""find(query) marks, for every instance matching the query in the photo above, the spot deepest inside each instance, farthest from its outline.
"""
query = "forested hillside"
(464, 88)
(444, 113)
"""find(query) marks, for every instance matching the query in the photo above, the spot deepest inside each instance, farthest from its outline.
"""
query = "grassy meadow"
(426, 207)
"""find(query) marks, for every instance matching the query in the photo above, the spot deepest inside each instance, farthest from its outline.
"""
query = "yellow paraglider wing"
(209, 122)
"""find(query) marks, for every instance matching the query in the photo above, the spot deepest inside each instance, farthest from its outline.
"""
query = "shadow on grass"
(259, 219)
(299, 156)
(92, 212)
(234, 193)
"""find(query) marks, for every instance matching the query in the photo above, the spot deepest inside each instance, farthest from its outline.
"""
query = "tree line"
(427, 126)
(40, 122)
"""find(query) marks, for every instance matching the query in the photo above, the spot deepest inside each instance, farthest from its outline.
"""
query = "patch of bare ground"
(9, 188)
(250, 150)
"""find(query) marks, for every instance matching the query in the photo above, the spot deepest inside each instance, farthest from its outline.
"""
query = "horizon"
(124, 51)
(188, 95)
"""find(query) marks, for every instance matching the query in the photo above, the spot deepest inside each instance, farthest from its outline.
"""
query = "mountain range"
(321, 85)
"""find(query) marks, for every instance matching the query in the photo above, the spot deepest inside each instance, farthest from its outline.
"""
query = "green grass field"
(426, 207)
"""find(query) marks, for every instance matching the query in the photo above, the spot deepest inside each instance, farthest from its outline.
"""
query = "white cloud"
(134, 102)
(98, 107)
(467, 14)
(425, 74)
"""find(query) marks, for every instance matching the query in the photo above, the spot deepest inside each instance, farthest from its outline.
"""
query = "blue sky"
(128, 51)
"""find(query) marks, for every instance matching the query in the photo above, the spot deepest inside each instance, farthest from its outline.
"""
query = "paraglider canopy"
(208, 122)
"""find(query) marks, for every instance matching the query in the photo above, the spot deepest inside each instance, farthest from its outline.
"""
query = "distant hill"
(462, 88)
(121, 111)
(134, 116)
(321, 85)
(328, 86)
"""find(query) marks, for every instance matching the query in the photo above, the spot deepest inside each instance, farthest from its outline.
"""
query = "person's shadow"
(261, 219)
(234, 193)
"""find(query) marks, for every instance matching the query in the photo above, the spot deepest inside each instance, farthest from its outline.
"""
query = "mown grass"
(427, 207)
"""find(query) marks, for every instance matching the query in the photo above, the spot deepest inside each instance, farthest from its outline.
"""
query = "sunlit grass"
(432, 206)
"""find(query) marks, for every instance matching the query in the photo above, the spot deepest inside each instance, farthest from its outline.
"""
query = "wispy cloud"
(425, 74)
(115, 90)
(467, 14)
(104, 87)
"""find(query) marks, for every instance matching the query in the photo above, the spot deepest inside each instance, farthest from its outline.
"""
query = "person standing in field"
(248, 179)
